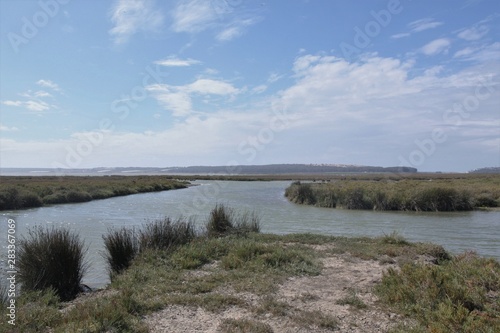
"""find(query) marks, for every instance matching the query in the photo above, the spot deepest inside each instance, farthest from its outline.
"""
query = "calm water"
(479, 231)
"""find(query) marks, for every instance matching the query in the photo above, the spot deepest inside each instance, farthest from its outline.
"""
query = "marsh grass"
(405, 193)
(52, 259)
(27, 192)
(459, 295)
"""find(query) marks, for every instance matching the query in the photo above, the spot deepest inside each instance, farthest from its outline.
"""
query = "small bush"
(165, 234)
(121, 247)
(52, 258)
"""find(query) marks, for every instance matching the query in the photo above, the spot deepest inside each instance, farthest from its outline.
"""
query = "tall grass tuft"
(166, 234)
(121, 248)
(52, 259)
(225, 221)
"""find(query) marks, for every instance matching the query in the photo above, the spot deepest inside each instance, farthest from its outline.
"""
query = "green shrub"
(121, 247)
(52, 258)
(166, 234)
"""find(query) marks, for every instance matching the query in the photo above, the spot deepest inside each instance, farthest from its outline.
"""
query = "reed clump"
(52, 259)
(225, 221)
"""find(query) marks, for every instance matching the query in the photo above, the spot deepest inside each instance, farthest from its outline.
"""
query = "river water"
(457, 231)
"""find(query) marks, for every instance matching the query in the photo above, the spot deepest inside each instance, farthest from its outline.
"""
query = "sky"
(144, 83)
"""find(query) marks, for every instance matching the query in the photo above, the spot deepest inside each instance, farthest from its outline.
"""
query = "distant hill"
(270, 169)
(486, 170)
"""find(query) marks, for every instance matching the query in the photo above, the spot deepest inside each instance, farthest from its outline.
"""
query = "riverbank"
(269, 283)
(460, 193)
(20, 192)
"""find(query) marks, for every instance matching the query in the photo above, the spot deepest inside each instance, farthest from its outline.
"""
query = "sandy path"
(342, 275)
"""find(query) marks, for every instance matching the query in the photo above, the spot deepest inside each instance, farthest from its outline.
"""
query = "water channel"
(457, 231)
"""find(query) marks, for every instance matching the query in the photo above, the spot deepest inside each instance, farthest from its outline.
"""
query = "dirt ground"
(342, 275)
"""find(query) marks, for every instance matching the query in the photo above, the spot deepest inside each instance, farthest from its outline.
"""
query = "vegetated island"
(170, 277)
(20, 192)
(418, 192)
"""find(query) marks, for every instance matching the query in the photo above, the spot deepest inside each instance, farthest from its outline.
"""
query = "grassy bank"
(28, 192)
(237, 269)
(460, 193)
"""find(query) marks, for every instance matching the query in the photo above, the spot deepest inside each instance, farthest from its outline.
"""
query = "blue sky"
(216, 82)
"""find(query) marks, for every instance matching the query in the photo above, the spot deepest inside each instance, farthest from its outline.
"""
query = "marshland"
(237, 257)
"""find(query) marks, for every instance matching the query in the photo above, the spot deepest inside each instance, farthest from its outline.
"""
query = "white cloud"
(259, 89)
(418, 26)
(484, 53)
(437, 46)
(173, 61)
(12, 103)
(178, 99)
(4, 128)
(424, 24)
(464, 52)
(401, 35)
(42, 93)
(37, 105)
(30, 105)
(474, 33)
(48, 84)
(131, 16)
(236, 29)
(208, 86)
(193, 16)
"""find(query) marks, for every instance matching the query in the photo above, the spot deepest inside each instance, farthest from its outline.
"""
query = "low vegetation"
(29, 192)
(459, 295)
(179, 266)
(407, 194)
